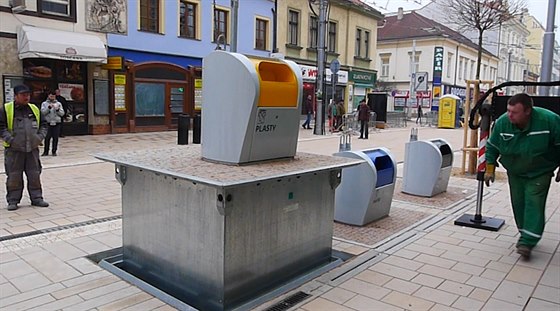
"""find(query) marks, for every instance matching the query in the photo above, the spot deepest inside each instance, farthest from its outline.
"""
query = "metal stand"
(477, 220)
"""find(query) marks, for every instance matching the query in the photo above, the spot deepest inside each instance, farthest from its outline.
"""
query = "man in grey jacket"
(22, 130)
(52, 111)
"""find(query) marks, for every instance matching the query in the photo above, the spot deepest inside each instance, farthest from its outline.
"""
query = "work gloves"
(490, 174)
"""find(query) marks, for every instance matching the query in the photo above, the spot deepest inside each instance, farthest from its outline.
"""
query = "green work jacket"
(528, 152)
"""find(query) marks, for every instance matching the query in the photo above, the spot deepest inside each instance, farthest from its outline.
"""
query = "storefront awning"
(36, 42)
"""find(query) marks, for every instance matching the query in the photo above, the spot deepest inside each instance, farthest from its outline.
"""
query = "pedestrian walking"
(526, 140)
(308, 108)
(340, 113)
(22, 129)
(419, 117)
(331, 112)
(363, 117)
(52, 111)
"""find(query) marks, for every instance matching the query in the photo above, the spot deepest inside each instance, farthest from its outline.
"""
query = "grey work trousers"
(15, 163)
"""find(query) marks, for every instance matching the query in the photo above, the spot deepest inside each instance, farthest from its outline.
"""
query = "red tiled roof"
(414, 26)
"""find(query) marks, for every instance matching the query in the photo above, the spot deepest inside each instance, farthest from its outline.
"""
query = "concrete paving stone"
(58, 304)
(338, 295)
(354, 249)
(84, 265)
(436, 261)
(126, 302)
(468, 304)
(77, 218)
(551, 277)
(472, 260)
(64, 250)
(42, 225)
(467, 237)
(84, 287)
(424, 249)
(103, 290)
(510, 259)
(402, 286)
(404, 263)
(53, 268)
(31, 303)
(15, 268)
(496, 243)
(506, 238)
(4, 232)
(147, 305)
(538, 260)
(436, 295)
(547, 244)
(360, 302)
(115, 241)
(41, 291)
(486, 248)
(61, 221)
(438, 307)
(550, 294)
(408, 254)
(373, 277)
(485, 283)
(19, 223)
(444, 238)
(7, 257)
(494, 275)
(484, 255)
(3, 279)
(30, 281)
(524, 275)
(7, 289)
(105, 299)
(29, 251)
(487, 234)
(444, 273)
(481, 294)
(456, 288)
(425, 242)
(500, 266)
(467, 268)
(393, 271)
(452, 247)
(428, 280)
(555, 259)
(364, 288)
(541, 305)
(513, 292)
(20, 229)
(408, 302)
(92, 247)
(320, 304)
(499, 305)
(165, 308)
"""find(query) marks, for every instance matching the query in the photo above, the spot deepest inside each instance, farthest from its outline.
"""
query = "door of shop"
(175, 103)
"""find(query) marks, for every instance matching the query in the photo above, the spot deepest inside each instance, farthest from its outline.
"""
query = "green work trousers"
(528, 198)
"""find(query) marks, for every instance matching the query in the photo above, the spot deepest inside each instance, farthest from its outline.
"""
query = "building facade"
(47, 44)
(440, 58)
(351, 37)
(160, 56)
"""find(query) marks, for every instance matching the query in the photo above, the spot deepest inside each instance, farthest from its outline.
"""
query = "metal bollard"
(345, 143)
(196, 129)
(183, 123)
(413, 134)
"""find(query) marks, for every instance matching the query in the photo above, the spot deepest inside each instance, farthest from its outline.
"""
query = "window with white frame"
(56, 7)
(484, 72)
(361, 49)
(473, 73)
(414, 61)
(293, 27)
(358, 46)
(460, 68)
(385, 61)
(465, 69)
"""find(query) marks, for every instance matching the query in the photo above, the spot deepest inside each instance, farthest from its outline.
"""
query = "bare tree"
(483, 15)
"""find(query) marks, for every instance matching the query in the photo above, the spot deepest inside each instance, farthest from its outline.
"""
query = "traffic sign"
(335, 66)
(420, 81)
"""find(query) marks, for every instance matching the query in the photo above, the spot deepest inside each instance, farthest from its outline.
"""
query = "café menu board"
(120, 92)
(197, 94)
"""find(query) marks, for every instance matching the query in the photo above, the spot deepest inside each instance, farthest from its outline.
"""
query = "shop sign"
(455, 90)
(113, 63)
(311, 72)
(362, 77)
(438, 69)
(120, 79)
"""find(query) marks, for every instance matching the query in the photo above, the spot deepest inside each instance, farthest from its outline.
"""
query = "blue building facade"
(161, 55)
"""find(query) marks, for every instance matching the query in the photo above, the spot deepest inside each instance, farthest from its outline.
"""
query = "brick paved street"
(415, 259)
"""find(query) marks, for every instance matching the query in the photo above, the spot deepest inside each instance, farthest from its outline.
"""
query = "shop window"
(188, 19)
(261, 29)
(221, 24)
(57, 9)
(293, 27)
(149, 99)
(149, 15)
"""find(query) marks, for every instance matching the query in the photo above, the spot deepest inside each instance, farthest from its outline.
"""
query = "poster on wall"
(72, 92)
(107, 16)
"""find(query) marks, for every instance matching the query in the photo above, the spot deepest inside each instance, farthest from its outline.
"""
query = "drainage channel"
(59, 228)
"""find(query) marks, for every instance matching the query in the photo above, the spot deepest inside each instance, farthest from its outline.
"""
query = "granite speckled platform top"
(186, 162)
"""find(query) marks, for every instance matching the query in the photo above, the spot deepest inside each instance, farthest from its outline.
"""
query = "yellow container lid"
(278, 84)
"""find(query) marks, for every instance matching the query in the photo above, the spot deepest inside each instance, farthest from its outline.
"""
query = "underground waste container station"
(232, 222)
(427, 167)
(366, 190)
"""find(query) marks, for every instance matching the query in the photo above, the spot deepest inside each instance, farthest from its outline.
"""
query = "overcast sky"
(537, 8)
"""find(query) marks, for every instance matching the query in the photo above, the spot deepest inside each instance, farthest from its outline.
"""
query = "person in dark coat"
(363, 117)
(309, 111)
(64, 103)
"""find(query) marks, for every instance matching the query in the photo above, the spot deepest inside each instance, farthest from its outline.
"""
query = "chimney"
(400, 14)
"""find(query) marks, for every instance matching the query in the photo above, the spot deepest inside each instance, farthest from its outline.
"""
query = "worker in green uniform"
(526, 141)
(23, 129)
